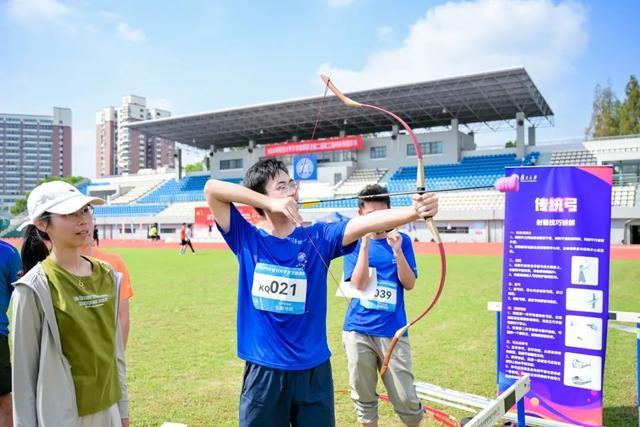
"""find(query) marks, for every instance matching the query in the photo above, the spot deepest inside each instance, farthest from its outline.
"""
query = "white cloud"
(340, 3)
(466, 37)
(32, 10)
(134, 35)
(384, 33)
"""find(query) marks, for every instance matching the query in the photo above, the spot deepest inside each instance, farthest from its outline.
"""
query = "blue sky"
(192, 56)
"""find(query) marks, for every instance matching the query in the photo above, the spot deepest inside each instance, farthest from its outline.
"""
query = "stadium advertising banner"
(314, 146)
(555, 291)
(203, 219)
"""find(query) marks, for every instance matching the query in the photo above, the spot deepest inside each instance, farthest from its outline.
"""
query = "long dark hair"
(34, 249)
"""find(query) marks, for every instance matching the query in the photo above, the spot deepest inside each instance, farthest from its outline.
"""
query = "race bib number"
(383, 297)
(279, 289)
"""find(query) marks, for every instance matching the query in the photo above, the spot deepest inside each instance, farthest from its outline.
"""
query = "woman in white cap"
(68, 364)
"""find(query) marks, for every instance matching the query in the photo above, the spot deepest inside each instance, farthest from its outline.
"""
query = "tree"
(20, 205)
(194, 167)
(605, 116)
(630, 109)
(510, 144)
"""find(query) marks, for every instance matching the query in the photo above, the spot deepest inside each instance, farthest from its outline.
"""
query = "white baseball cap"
(56, 197)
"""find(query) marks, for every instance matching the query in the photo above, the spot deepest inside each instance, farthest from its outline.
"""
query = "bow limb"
(420, 184)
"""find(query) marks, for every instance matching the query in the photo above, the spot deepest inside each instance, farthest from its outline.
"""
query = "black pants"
(187, 243)
(5, 366)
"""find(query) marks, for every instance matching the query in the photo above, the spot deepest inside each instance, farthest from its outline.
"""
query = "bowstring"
(324, 97)
(324, 263)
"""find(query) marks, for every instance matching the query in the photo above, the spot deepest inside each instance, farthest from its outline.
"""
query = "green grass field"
(182, 363)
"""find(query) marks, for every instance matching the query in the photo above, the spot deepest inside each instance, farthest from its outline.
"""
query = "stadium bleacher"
(171, 198)
(358, 180)
(129, 210)
(471, 172)
(188, 189)
(624, 196)
(132, 191)
(573, 158)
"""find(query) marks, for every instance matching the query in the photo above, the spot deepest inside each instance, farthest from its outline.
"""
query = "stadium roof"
(490, 98)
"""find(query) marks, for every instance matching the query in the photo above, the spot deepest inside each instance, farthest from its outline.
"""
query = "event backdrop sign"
(555, 291)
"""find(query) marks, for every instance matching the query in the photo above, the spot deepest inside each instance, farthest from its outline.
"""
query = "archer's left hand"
(426, 205)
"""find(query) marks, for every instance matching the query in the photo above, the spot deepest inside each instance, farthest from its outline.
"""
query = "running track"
(470, 249)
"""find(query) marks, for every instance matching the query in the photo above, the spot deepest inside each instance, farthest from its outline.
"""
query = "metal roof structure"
(490, 99)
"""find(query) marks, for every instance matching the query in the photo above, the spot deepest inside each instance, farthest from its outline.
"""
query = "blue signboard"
(305, 167)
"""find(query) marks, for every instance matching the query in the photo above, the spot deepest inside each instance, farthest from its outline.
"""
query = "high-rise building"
(32, 147)
(121, 150)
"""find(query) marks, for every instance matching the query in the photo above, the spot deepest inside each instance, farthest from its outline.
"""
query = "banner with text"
(555, 291)
(314, 146)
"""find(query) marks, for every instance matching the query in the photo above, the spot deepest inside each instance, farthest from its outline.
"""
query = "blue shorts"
(276, 398)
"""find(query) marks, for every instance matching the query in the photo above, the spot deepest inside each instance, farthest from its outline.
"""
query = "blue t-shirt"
(11, 265)
(282, 292)
(384, 316)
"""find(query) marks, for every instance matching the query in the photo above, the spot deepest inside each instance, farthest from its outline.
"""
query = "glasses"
(85, 211)
(287, 188)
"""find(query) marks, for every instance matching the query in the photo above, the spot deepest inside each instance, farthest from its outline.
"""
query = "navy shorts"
(5, 366)
(276, 398)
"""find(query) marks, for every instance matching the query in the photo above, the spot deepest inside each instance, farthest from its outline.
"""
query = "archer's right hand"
(286, 206)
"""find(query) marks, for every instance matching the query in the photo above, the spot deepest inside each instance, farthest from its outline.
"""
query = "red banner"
(249, 213)
(203, 220)
(203, 216)
(314, 146)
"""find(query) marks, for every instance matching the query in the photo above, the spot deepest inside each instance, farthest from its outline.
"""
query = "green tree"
(605, 116)
(510, 144)
(194, 167)
(630, 108)
(19, 206)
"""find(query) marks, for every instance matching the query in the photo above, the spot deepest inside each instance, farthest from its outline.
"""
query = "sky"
(195, 56)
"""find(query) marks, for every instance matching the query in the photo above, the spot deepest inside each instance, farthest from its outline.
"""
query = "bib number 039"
(279, 289)
(383, 298)
(383, 294)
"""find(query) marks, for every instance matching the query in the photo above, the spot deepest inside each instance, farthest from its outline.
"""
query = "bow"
(420, 189)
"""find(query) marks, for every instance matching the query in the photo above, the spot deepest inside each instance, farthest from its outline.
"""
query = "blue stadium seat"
(188, 189)
(129, 210)
(477, 171)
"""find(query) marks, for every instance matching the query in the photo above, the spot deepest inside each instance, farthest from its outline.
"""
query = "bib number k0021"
(279, 289)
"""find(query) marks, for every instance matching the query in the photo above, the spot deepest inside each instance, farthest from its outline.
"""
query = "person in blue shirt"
(10, 267)
(282, 292)
(382, 267)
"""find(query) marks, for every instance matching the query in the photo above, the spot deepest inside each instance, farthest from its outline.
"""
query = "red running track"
(468, 249)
